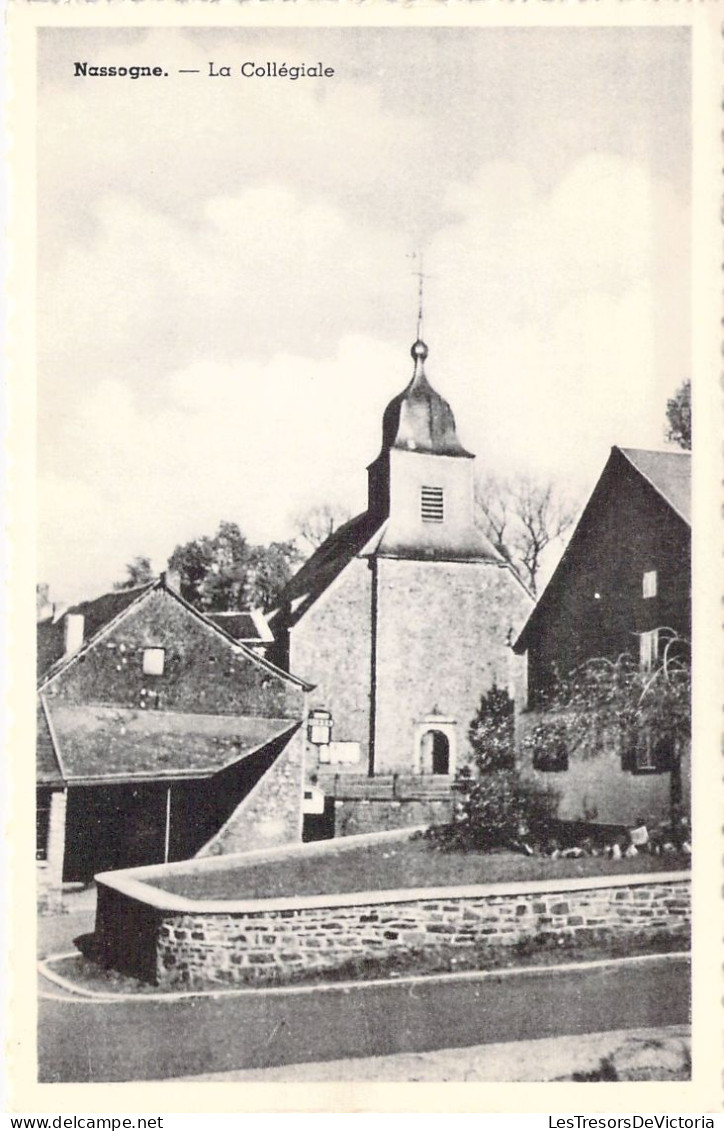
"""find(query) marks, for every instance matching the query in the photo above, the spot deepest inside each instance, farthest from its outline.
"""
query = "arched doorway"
(435, 752)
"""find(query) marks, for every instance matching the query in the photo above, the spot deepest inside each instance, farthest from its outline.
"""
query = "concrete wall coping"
(220, 863)
(132, 885)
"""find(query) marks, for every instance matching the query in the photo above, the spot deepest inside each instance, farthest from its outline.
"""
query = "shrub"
(491, 732)
(499, 810)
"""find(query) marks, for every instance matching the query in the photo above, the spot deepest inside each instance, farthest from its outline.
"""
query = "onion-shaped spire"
(418, 419)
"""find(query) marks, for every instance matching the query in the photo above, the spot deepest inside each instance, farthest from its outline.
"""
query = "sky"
(226, 288)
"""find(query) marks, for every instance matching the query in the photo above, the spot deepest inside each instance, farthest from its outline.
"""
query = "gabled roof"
(667, 473)
(96, 743)
(105, 613)
(97, 613)
(326, 564)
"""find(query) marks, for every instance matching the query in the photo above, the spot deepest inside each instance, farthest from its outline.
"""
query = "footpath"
(626, 1054)
(661, 1053)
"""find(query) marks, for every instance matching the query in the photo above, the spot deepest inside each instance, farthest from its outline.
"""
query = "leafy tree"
(138, 572)
(521, 518)
(193, 562)
(270, 568)
(678, 414)
(491, 733)
(314, 526)
(226, 572)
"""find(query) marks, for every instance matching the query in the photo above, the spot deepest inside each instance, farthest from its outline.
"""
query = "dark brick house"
(622, 586)
(156, 733)
(402, 619)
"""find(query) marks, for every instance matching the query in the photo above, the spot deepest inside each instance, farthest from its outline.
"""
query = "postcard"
(355, 358)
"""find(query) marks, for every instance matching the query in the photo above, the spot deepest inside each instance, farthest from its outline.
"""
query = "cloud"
(248, 441)
(226, 301)
(189, 138)
(552, 308)
(150, 292)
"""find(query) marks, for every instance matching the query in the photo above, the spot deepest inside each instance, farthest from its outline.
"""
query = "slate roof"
(104, 610)
(326, 564)
(669, 473)
(115, 744)
(418, 419)
(47, 768)
(97, 613)
(245, 626)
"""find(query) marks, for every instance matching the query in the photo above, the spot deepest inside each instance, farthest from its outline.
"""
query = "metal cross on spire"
(421, 276)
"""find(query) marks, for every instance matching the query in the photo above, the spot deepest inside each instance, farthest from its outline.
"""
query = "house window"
(550, 751)
(153, 661)
(644, 754)
(650, 755)
(650, 584)
(648, 649)
(432, 504)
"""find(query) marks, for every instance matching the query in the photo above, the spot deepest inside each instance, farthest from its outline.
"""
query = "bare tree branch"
(521, 518)
(313, 527)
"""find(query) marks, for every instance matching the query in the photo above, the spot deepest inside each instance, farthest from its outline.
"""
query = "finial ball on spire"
(419, 350)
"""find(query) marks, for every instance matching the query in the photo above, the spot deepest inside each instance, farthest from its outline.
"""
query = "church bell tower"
(421, 484)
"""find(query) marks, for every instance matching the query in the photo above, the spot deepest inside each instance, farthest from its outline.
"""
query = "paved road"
(142, 1039)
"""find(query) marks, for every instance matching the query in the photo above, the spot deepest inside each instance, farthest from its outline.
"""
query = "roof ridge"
(572, 542)
(656, 451)
(64, 662)
(111, 593)
(647, 477)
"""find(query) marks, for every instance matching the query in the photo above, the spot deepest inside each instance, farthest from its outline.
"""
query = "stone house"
(623, 585)
(159, 737)
(402, 619)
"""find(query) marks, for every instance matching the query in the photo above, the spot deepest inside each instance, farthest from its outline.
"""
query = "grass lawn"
(390, 865)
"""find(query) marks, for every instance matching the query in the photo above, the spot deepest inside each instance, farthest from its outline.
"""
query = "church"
(401, 620)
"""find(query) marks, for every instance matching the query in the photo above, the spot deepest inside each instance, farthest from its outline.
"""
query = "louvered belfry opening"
(432, 504)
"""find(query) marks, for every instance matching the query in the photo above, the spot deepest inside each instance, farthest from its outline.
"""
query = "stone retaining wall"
(174, 941)
(353, 816)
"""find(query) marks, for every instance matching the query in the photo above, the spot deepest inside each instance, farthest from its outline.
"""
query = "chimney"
(74, 625)
(171, 579)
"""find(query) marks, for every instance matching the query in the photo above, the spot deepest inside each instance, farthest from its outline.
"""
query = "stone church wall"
(442, 641)
(330, 647)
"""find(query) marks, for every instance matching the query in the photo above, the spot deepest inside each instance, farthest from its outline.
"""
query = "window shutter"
(432, 504)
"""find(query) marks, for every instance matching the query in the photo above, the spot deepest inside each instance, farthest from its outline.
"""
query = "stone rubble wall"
(353, 816)
(271, 814)
(241, 947)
